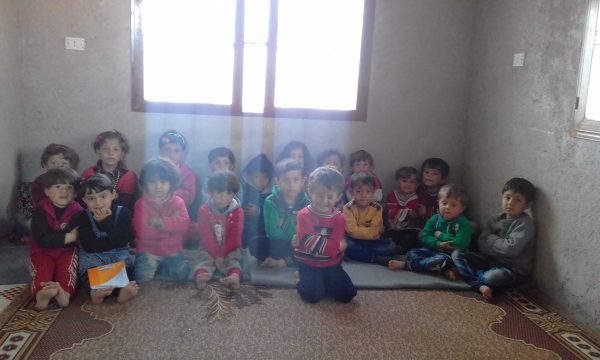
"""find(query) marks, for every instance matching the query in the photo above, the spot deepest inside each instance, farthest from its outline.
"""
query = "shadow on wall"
(542, 209)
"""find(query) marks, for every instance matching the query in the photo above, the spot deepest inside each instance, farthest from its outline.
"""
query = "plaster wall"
(518, 125)
(418, 90)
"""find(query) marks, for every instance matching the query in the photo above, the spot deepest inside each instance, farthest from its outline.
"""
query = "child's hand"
(72, 236)
(447, 246)
(101, 214)
(343, 246)
(251, 210)
(156, 222)
(295, 241)
(437, 234)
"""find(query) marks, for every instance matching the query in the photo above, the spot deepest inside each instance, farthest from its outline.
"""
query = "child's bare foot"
(63, 297)
(397, 265)
(128, 292)
(451, 274)
(44, 295)
(486, 292)
(232, 281)
(274, 263)
(97, 295)
(202, 280)
(296, 277)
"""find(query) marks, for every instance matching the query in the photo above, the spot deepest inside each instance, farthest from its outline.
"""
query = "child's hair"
(260, 164)
(287, 165)
(455, 192)
(56, 149)
(111, 134)
(328, 177)
(221, 151)
(172, 137)
(407, 172)
(61, 175)
(160, 169)
(360, 179)
(521, 186)
(96, 183)
(220, 181)
(327, 153)
(286, 152)
(436, 164)
(361, 155)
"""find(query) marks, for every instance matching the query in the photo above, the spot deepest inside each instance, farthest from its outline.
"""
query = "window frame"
(139, 104)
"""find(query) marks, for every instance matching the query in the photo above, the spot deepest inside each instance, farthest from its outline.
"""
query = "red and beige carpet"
(168, 321)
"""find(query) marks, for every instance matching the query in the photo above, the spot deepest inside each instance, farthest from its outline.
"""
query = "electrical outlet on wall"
(518, 59)
(73, 43)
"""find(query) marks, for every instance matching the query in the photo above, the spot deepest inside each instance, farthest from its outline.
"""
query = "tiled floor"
(8, 293)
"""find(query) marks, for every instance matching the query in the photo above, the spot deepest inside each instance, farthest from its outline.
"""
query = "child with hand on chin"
(105, 231)
(53, 254)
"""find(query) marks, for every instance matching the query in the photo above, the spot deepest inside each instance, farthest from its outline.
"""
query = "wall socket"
(518, 59)
(73, 43)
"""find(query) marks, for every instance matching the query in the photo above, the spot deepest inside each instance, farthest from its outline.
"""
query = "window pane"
(188, 50)
(592, 108)
(255, 66)
(256, 21)
(318, 54)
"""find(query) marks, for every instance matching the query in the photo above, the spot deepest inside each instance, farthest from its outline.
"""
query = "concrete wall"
(418, 90)
(518, 125)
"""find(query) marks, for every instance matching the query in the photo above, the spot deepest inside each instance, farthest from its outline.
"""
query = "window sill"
(587, 129)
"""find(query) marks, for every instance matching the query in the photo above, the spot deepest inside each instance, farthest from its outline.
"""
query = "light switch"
(73, 43)
(518, 59)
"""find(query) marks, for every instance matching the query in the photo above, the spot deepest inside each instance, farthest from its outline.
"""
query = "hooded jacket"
(254, 225)
(220, 231)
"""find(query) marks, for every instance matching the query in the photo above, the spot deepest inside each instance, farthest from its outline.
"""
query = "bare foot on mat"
(44, 295)
(486, 292)
(98, 295)
(63, 297)
(397, 265)
(451, 274)
(202, 281)
(232, 281)
(128, 292)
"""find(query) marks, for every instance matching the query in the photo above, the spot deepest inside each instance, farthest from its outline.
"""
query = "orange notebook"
(111, 275)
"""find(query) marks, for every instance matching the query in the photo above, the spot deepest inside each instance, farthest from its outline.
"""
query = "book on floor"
(106, 276)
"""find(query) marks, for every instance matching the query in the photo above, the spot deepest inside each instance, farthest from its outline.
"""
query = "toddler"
(362, 162)
(404, 210)
(434, 172)
(320, 234)
(111, 148)
(53, 254)
(219, 159)
(220, 224)
(160, 221)
(173, 147)
(298, 151)
(105, 232)
(332, 157)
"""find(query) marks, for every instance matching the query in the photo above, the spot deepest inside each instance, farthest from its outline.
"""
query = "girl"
(104, 234)
(111, 148)
(173, 147)
(161, 219)
(299, 152)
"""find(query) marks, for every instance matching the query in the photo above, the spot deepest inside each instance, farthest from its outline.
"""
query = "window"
(587, 109)
(271, 58)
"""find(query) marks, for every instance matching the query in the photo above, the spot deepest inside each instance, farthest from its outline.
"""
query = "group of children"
(287, 214)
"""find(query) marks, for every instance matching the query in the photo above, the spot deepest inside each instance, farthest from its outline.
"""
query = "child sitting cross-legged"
(443, 233)
(364, 224)
(506, 244)
(220, 224)
(320, 241)
(105, 231)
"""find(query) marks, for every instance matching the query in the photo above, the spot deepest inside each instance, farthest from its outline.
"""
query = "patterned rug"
(176, 321)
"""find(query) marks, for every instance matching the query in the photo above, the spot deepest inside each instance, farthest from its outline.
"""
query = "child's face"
(333, 160)
(159, 189)
(361, 166)
(291, 184)
(298, 155)
(110, 153)
(222, 199)
(450, 208)
(432, 178)
(260, 180)
(172, 152)
(363, 195)
(61, 195)
(99, 200)
(408, 186)
(323, 200)
(56, 161)
(513, 204)
(221, 163)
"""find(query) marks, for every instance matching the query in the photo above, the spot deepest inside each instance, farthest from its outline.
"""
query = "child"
(506, 244)
(160, 221)
(443, 233)
(257, 179)
(321, 244)
(219, 159)
(280, 210)
(362, 162)
(111, 148)
(104, 234)
(434, 172)
(298, 151)
(53, 254)
(403, 207)
(332, 157)
(173, 147)
(220, 224)
(364, 224)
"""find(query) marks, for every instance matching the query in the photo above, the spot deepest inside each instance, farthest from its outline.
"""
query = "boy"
(362, 162)
(506, 244)
(219, 159)
(364, 224)
(220, 224)
(443, 233)
(280, 210)
(53, 254)
(434, 172)
(403, 209)
(321, 244)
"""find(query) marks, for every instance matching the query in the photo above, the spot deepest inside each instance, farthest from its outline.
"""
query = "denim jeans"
(368, 250)
(316, 283)
(171, 268)
(425, 260)
(475, 272)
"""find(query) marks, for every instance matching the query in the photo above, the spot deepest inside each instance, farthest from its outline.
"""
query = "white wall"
(518, 125)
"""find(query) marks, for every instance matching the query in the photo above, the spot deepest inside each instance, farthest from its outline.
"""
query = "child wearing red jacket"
(220, 224)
